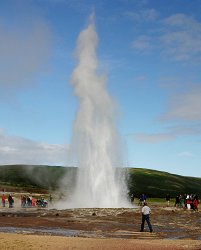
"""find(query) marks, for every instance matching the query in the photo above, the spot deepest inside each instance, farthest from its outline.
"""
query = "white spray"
(95, 142)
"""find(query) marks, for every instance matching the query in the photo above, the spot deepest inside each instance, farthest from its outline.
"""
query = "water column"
(95, 141)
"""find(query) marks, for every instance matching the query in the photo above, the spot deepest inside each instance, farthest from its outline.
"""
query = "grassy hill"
(158, 184)
(33, 178)
(48, 178)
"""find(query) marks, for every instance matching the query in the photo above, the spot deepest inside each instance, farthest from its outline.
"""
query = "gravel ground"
(101, 228)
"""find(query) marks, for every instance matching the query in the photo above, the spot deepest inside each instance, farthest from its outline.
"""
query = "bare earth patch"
(35, 228)
(22, 242)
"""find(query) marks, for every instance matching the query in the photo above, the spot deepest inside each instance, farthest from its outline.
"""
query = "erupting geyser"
(95, 142)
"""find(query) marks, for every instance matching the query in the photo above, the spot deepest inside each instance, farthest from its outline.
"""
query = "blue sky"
(150, 51)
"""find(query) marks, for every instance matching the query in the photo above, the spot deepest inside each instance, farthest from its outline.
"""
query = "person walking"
(146, 217)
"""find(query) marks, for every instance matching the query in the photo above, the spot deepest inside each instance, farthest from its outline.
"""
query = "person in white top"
(146, 217)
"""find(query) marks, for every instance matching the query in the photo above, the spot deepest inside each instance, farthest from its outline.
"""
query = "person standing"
(50, 199)
(10, 201)
(146, 217)
(3, 199)
(132, 198)
(168, 199)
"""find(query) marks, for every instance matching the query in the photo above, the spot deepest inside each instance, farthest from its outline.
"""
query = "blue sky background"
(150, 51)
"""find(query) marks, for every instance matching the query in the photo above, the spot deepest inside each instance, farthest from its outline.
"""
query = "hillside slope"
(49, 178)
(158, 184)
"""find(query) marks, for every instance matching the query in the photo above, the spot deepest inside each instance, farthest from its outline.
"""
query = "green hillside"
(49, 178)
(158, 184)
(33, 178)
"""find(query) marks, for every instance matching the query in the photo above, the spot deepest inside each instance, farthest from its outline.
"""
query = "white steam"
(95, 142)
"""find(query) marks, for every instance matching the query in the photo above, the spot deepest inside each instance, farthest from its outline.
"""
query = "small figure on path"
(142, 199)
(50, 199)
(146, 217)
(3, 199)
(168, 199)
(10, 201)
(132, 198)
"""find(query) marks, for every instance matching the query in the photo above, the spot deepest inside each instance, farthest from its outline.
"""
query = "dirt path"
(33, 242)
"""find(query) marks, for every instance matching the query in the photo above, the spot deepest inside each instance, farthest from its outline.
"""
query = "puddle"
(52, 231)
(165, 234)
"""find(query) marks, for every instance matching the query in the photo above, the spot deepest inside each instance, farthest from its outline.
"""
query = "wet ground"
(168, 222)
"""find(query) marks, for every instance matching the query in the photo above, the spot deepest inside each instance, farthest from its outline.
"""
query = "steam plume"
(95, 139)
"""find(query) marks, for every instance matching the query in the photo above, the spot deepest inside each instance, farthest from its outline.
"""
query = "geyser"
(95, 145)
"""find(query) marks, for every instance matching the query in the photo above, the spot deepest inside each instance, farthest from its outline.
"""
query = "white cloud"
(18, 150)
(143, 15)
(184, 106)
(177, 38)
(181, 39)
(141, 78)
(142, 43)
(24, 50)
(181, 20)
(186, 130)
(153, 138)
(172, 133)
(185, 154)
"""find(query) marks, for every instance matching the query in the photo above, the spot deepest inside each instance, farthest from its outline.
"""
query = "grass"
(157, 183)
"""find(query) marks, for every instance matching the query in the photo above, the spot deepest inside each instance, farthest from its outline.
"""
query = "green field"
(47, 179)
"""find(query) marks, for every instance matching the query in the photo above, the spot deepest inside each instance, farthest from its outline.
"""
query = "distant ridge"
(43, 178)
